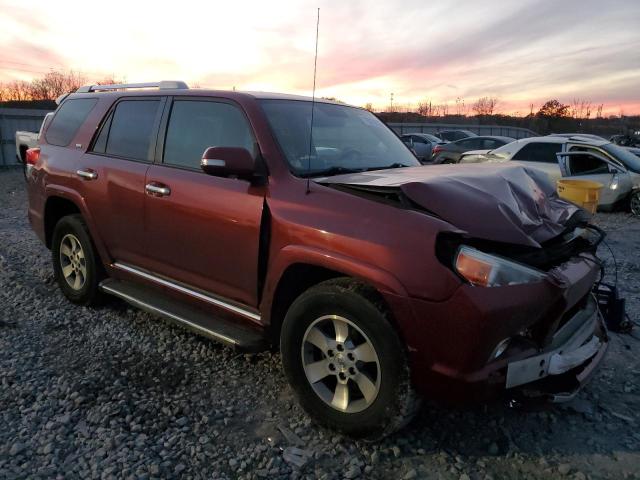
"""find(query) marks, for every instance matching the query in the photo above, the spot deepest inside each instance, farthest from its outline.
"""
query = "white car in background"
(577, 157)
(26, 140)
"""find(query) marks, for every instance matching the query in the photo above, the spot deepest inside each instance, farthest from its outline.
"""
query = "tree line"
(488, 106)
(48, 87)
(552, 115)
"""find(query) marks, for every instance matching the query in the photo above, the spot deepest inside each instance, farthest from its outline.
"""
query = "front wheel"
(345, 361)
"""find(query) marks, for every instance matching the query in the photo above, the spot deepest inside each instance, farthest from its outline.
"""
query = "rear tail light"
(33, 155)
(436, 149)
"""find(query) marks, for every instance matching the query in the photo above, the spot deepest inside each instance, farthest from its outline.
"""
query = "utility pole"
(391, 107)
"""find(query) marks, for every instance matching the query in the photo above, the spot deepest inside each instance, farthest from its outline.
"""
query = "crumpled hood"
(498, 202)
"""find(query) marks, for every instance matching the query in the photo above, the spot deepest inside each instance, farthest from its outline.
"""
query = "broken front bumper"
(561, 370)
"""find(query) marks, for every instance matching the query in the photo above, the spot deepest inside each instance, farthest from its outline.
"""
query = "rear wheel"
(75, 261)
(346, 362)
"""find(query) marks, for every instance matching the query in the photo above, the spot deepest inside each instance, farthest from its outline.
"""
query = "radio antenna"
(313, 102)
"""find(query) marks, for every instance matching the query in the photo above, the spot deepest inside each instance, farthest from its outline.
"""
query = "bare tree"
(441, 110)
(485, 106)
(56, 83)
(110, 80)
(461, 107)
(17, 90)
(580, 108)
(368, 106)
(426, 108)
(599, 111)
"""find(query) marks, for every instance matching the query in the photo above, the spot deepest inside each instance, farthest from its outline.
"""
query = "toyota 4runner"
(271, 220)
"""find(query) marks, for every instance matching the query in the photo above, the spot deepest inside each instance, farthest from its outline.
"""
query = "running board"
(155, 302)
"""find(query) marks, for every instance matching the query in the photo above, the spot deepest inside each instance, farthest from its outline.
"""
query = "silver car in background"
(577, 157)
(422, 144)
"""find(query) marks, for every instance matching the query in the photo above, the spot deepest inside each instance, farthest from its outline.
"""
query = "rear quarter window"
(541, 152)
(129, 129)
(68, 120)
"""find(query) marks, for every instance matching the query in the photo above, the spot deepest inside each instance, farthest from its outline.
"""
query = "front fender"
(381, 280)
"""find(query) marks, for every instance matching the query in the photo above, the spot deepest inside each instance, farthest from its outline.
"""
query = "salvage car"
(453, 135)
(452, 151)
(422, 144)
(380, 280)
(616, 168)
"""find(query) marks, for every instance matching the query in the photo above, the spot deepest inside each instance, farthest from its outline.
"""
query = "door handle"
(157, 190)
(87, 174)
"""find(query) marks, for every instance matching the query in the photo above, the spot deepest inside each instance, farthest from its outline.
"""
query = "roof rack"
(164, 85)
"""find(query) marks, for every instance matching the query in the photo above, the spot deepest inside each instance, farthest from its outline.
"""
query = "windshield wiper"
(387, 167)
(329, 172)
(336, 170)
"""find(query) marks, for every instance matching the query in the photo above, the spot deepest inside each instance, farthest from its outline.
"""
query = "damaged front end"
(554, 356)
(524, 318)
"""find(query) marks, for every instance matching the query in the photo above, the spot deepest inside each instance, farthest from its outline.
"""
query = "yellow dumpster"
(581, 192)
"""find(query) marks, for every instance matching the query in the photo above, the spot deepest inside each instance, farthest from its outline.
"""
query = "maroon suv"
(264, 219)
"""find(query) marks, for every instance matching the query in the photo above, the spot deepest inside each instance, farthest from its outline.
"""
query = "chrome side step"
(209, 298)
(157, 303)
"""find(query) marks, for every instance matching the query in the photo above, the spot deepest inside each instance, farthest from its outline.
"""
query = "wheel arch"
(61, 201)
(302, 272)
(55, 208)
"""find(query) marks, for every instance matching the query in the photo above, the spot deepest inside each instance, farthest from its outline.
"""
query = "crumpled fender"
(498, 202)
(514, 205)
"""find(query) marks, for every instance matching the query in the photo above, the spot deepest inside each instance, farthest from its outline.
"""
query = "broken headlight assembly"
(485, 270)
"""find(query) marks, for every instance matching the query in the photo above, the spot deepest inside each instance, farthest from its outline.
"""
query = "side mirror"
(229, 162)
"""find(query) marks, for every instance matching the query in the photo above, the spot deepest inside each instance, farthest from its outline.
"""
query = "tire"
(634, 203)
(73, 253)
(389, 402)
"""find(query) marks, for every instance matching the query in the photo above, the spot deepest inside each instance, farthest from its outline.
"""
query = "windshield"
(631, 161)
(345, 139)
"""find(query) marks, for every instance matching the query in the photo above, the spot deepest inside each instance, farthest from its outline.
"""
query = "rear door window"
(539, 152)
(68, 120)
(195, 125)
(129, 130)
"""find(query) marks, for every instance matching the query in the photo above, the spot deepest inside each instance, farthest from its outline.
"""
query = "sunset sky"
(520, 51)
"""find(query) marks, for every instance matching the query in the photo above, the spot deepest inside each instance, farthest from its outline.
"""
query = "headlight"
(486, 270)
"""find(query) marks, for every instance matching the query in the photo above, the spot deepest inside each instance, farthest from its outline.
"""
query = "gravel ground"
(116, 393)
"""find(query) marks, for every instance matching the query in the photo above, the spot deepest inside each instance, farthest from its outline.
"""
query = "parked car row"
(452, 151)
(446, 146)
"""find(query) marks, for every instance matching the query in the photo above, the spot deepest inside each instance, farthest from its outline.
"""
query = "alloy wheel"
(341, 364)
(72, 262)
